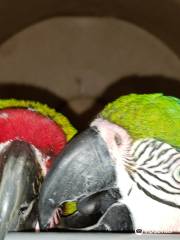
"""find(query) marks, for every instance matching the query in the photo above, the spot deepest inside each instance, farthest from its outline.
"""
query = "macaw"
(31, 136)
(122, 173)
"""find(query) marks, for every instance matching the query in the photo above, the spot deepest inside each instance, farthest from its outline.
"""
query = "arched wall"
(86, 53)
(161, 17)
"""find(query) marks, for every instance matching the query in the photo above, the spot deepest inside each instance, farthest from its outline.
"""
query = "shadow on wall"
(141, 84)
(29, 92)
(123, 86)
(132, 84)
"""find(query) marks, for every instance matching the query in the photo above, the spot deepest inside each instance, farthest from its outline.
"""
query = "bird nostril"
(51, 202)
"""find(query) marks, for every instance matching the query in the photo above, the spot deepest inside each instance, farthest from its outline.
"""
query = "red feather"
(36, 129)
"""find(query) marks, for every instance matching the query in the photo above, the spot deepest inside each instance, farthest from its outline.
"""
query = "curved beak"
(18, 171)
(83, 168)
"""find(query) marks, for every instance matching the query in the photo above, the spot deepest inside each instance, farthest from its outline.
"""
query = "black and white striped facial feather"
(156, 163)
(145, 175)
(148, 163)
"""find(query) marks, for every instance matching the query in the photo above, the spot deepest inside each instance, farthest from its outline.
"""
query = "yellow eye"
(69, 208)
(176, 174)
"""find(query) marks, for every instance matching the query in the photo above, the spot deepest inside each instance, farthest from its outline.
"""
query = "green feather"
(146, 116)
(43, 109)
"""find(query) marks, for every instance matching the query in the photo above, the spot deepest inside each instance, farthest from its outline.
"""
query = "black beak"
(83, 168)
(18, 172)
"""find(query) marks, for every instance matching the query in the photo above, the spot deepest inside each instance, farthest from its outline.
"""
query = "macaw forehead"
(43, 109)
(37, 124)
(147, 116)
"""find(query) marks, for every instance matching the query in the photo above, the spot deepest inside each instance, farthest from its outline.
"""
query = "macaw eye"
(118, 139)
(176, 174)
(23, 209)
(26, 208)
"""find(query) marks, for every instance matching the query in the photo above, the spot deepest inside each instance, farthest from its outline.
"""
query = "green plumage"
(147, 116)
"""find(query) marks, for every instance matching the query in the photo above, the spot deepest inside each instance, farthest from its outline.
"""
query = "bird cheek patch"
(117, 139)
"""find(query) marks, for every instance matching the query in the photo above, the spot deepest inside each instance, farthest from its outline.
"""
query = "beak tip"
(43, 224)
(44, 217)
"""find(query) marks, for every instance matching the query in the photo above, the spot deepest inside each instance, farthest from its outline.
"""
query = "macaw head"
(31, 136)
(121, 149)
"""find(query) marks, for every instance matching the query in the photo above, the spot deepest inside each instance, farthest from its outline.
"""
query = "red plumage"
(34, 128)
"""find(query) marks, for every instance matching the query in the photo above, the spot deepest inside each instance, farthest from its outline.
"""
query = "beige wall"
(160, 17)
(81, 57)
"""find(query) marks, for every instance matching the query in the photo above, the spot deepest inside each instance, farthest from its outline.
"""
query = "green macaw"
(122, 173)
(31, 136)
